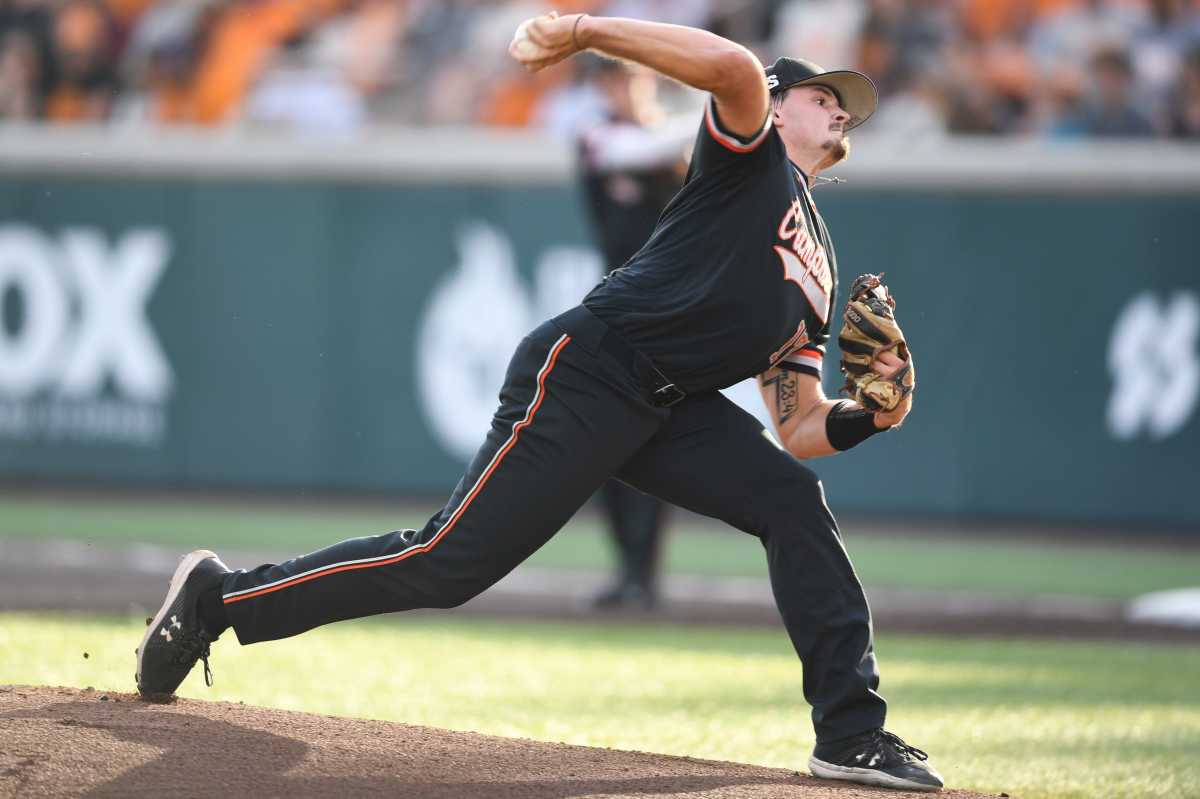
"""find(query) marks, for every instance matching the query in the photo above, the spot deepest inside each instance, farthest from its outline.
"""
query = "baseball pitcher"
(738, 279)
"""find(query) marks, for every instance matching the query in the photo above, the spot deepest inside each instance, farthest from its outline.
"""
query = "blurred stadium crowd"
(1062, 68)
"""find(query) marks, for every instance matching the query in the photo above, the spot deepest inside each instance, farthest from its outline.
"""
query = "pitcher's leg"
(559, 433)
(714, 458)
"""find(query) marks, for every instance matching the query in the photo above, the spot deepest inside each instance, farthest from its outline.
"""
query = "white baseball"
(522, 47)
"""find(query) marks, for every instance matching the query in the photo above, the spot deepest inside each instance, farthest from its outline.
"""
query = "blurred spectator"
(1001, 78)
(1159, 48)
(693, 13)
(300, 91)
(458, 91)
(515, 100)
(823, 31)
(877, 48)
(1183, 121)
(1109, 108)
(27, 26)
(124, 15)
(569, 108)
(1066, 39)
(917, 109)
(84, 47)
(19, 75)
(160, 60)
(243, 37)
(367, 41)
(322, 79)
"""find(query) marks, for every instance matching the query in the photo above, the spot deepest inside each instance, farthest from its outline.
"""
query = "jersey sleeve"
(715, 145)
(805, 359)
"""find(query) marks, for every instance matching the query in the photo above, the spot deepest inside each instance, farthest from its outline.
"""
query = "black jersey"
(738, 276)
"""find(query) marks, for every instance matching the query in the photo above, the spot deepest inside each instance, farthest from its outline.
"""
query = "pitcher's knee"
(798, 494)
(800, 486)
(455, 594)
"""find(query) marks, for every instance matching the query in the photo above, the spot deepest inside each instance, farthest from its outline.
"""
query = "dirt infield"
(69, 742)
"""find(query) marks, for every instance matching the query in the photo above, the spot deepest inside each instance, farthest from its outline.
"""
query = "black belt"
(587, 328)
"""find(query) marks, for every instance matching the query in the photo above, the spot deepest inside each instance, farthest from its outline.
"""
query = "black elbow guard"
(847, 427)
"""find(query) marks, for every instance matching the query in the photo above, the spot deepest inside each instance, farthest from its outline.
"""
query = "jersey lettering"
(806, 264)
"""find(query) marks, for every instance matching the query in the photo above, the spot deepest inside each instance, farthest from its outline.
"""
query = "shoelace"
(895, 742)
(193, 647)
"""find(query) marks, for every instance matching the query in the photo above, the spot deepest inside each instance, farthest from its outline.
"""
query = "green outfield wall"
(352, 334)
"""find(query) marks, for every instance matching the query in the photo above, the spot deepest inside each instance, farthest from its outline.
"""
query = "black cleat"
(876, 757)
(174, 638)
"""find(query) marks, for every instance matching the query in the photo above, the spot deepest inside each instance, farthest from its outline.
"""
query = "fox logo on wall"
(79, 359)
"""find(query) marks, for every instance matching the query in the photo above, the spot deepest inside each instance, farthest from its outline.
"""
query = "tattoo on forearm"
(786, 385)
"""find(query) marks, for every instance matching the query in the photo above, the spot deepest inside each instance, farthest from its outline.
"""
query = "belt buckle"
(667, 396)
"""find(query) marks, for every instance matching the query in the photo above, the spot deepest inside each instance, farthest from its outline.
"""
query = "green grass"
(912, 562)
(1039, 720)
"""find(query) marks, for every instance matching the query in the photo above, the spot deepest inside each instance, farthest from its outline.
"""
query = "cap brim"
(856, 93)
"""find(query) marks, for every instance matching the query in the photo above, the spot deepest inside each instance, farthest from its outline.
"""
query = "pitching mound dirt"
(68, 742)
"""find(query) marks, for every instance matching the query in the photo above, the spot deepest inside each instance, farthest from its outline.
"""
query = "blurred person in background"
(826, 31)
(692, 13)
(1066, 37)
(996, 73)
(1109, 108)
(1159, 49)
(243, 37)
(19, 74)
(440, 64)
(878, 43)
(160, 61)
(460, 38)
(197, 62)
(1183, 121)
(917, 109)
(753, 22)
(630, 165)
(901, 44)
(29, 66)
(303, 90)
(324, 76)
(922, 31)
(518, 99)
(85, 51)
(369, 44)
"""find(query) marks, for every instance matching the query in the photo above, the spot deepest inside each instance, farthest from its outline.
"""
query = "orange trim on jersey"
(802, 360)
(539, 395)
(727, 141)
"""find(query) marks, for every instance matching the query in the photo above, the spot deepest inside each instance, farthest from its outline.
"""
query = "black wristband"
(846, 428)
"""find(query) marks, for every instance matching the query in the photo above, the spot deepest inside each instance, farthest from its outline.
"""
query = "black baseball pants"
(571, 416)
